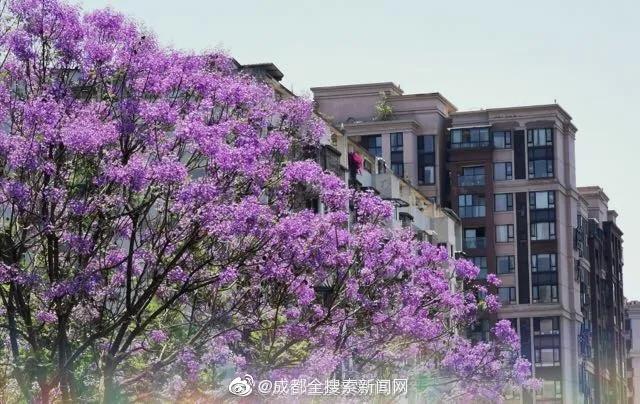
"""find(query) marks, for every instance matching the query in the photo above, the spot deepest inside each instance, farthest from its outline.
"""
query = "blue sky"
(479, 54)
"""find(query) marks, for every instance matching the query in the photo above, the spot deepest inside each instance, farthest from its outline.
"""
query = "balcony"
(470, 145)
(475, 242)
(471, 180)
(472, 211)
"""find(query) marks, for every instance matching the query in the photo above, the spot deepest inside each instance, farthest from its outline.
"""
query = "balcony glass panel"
(471, 180)
(475, 242)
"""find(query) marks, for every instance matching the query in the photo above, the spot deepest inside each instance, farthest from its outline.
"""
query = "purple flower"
(505, 333)
(493, 279)
(47, 317)
(158, 336)
(177, 275)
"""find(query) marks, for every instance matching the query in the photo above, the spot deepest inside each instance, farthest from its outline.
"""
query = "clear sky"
(480, 54)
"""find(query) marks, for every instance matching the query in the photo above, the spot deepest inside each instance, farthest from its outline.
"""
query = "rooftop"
(593, 191)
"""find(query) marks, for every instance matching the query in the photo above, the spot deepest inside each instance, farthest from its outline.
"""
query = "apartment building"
(509, 173)
(362, 169)
(632, 338)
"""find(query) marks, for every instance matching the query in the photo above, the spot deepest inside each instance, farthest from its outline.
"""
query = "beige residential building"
(509, 173)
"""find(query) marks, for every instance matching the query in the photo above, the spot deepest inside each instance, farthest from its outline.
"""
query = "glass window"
(373, 144)
(540, 153)
(471, 176)
(471, 205)
(543, 231)
(396, 141)
(506, 264)
(503, 202)
(544, 293)
(507, 295)
(465, 138)
(540, 168)
(502, 171)
(502, 140)
(551, 390)
(504, 233)
(398, 169)
(546, 326)
(397, 154)
(547, 356)
(543, 263)
(546, 342)
(540, 137)
(474, 238)
(426, 160)
(542, 200)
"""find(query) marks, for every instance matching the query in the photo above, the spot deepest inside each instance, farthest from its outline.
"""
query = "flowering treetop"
(153, 236)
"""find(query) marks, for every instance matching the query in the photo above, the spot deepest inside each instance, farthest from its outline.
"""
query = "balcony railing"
(472, 211)
(471, 180)
(470, 145)
(475, 242)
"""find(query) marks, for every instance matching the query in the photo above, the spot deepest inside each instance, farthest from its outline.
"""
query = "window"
(551, 390)
(543, 231)
(544, 293)
(502, 140)
(503, 202)
(397, 153)
(540, 137)
(481, 263)
(506, 264)
(507, 295)
(471, 176)
(426, 160)
(396, 141)
(543, 263)
(546, 326)
(474, 238)
(542, 200)
(542, 215)
(398, 169)
(469, 138)
(504, 233)
(579, 236)
(544, 278)
(471, 205)
(373, 144)
(502, 171)
(540, 153)
(546, 342)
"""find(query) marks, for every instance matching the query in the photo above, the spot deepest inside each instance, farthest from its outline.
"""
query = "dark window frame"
(376, 149)
(476, 208)
(469, 138)
(506, 137)
(396, 143)
(510, 233)
(508, 171)
(511, 264)
(426, 159)
(540, 153)
(508, 202)
(511, 291)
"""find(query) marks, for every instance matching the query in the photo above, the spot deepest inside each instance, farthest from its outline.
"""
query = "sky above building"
(582, 54)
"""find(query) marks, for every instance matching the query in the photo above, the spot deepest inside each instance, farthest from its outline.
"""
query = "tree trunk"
(110, 389)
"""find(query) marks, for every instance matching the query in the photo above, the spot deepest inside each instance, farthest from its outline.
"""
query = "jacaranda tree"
(153, 236)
